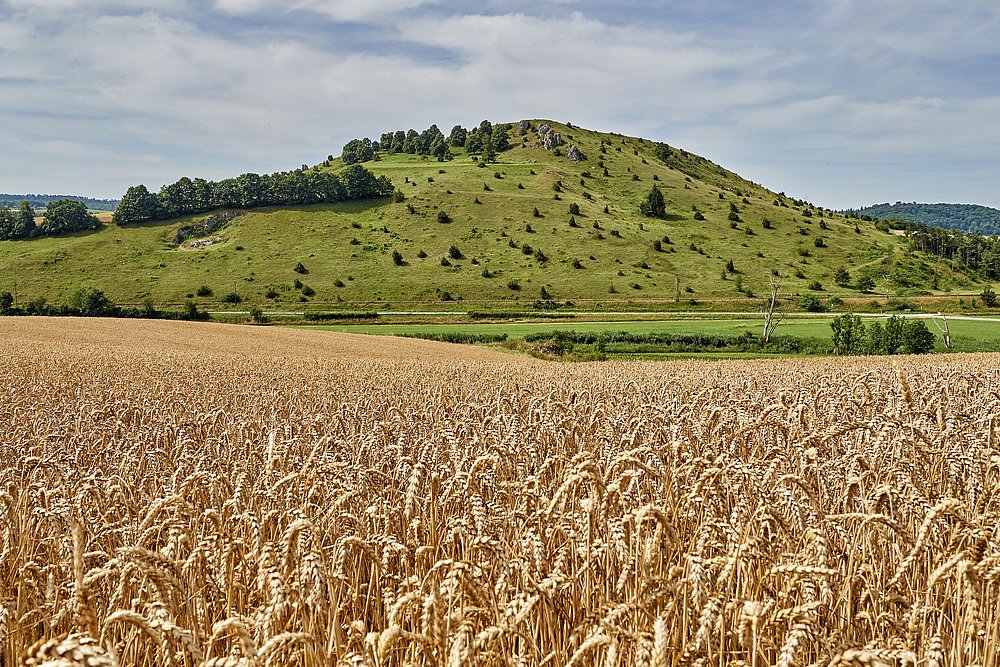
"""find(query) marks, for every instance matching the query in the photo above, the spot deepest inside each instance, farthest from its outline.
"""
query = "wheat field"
(204, 495)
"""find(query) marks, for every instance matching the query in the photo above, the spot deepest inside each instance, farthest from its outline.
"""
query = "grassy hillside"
(609, 255)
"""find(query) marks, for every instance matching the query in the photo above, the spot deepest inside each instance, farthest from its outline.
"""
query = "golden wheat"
(194, 495)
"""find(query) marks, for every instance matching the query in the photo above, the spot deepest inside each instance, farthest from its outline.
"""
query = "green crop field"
(967, 334)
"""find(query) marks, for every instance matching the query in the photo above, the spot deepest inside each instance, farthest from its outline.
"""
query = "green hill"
(465, 230)
(964, 217)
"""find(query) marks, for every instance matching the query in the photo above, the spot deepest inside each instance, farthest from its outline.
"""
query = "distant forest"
(40, 201)
(964, 217)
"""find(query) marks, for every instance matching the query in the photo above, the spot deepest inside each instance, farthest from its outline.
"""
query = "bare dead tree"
(943, 328)
(772, 318)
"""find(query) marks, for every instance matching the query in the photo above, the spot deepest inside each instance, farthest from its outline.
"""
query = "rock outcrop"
(549, 138)
(575, 154)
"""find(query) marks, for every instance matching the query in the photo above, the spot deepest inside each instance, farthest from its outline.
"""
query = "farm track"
(206, 495)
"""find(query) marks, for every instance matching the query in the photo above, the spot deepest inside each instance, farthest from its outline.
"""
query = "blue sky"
(840, 102)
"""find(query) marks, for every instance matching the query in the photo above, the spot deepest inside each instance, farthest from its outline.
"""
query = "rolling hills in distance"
(39, 201)
(965, 217)
(534, 224)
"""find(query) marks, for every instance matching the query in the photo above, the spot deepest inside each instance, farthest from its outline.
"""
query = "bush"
(455, 253)
(232, 298)
(308, 291)
(811, 303)
(989, 297)
(443, 218)
(300, 268)
(397, 258)
(204, 290)
(514, 284)
(574, 209)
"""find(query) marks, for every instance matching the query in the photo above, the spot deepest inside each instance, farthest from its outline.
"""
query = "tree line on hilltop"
(187, 196)
(964, 217)
(486, 140)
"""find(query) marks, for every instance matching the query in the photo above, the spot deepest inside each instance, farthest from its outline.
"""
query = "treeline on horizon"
(964, 217)
(187, 196)
(487, 140)
(972, 250)
(41, 201)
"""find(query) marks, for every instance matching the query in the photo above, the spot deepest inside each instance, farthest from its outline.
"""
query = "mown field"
(200, 494)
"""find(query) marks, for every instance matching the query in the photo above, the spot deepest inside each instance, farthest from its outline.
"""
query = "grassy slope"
(259, 249)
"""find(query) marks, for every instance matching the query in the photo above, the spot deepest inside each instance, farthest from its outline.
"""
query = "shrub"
(989, 297)
(443, 217)
(300, 268)
(397, 258)
(574, 209)
(421, 254)
(455, 253)
(204, 290)
(811, 303)
(232, 298)
(514, 284)
(308, 291)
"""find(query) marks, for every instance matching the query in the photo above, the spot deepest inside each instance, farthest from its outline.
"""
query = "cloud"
(790, 91)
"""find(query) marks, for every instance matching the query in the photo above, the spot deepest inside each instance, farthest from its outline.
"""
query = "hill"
(534, 224)
(964, 217)
(39, 201)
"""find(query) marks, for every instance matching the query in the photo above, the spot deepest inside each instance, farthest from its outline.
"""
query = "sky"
(843, 103)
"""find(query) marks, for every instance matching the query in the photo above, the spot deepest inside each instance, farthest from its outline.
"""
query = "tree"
(893, 336)
(24, 221)
(772, 318)
(866, 284)
(917, 338)
(458, 136)
(6, 223)
(92, 303)
(6, 302)
(874, 338)
(842, 276)
(67, 215)
(847, 334)
(654, 205)
(357, 150)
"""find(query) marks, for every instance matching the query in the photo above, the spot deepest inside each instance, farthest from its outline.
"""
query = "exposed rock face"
(523, 127)
(549, 138)
(575, 154)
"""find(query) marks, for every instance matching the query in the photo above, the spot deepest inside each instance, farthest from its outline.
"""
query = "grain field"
(195, 495)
